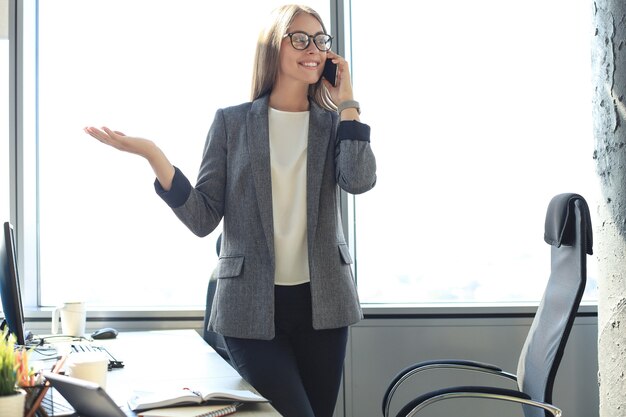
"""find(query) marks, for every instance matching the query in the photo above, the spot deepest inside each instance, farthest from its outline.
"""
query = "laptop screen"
(87, 398)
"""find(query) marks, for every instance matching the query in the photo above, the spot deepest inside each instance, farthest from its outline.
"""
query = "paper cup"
(89, 366)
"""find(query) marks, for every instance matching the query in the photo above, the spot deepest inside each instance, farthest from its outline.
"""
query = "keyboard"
(54, 405)
(90, 347)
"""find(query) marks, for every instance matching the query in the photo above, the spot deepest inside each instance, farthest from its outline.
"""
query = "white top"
(289, 133)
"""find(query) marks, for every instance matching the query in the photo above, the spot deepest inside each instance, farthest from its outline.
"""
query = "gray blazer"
(234, 184)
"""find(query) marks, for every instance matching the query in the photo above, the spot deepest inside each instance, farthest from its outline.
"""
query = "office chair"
(215, 340)
(568, 231)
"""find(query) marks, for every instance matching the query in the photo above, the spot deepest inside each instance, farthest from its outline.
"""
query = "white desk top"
(173, 358)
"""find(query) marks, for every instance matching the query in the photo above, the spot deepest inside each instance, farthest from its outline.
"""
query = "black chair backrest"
(568, 231)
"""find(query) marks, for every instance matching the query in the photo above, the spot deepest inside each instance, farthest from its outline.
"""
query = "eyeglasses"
(301, 40)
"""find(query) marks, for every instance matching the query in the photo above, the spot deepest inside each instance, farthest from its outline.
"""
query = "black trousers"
(299, 370)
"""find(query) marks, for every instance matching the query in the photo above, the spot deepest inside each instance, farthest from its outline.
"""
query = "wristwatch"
(349, 104)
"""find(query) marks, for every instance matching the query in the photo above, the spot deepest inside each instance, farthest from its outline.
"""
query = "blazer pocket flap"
(229, 267)
(345, 253)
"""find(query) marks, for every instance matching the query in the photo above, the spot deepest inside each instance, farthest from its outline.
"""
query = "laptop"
(87, 398)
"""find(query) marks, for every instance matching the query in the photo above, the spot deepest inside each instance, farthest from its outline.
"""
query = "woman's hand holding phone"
(341, 89)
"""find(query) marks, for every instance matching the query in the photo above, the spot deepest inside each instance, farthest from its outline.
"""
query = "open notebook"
(146, 400)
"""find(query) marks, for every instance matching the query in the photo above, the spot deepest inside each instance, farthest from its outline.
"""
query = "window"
(146, 68)
(480, 113)
(475, 117)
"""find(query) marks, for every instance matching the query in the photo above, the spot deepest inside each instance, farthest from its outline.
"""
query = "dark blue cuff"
(179, 193)
(353, 130)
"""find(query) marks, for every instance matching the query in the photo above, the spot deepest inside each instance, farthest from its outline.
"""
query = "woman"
(270, 170)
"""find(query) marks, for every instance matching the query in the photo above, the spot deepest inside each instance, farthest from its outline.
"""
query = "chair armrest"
(413, 407)
(460, 364)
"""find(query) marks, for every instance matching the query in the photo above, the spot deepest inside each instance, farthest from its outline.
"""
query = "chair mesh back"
(546, 340)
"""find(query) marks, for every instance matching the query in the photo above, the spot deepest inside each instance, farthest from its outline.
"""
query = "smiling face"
(301, 66)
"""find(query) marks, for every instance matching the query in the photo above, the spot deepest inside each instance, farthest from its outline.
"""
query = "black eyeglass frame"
(308, 40)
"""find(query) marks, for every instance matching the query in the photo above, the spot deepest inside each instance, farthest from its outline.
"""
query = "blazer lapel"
(320, 129)
(259, 147)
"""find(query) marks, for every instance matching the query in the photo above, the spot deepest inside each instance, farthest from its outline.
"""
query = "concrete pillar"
(609, 116)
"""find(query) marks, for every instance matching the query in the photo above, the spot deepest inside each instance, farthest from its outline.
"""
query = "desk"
(176, 358)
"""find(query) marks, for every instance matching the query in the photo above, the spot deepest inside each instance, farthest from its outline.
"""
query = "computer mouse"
(105, 333)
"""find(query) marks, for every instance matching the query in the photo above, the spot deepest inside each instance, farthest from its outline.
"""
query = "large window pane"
(481, 112)
(157, 69)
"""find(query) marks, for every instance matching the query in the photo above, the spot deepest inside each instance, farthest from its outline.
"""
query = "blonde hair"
(267, 52)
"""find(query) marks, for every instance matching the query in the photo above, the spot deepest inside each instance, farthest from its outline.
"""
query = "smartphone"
(330, 72)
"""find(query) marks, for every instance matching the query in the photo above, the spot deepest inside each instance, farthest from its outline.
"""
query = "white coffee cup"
(73, 316)
(89, 366)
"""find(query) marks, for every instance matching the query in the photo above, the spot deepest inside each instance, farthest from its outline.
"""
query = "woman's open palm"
(161, 166)
(120, 141)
